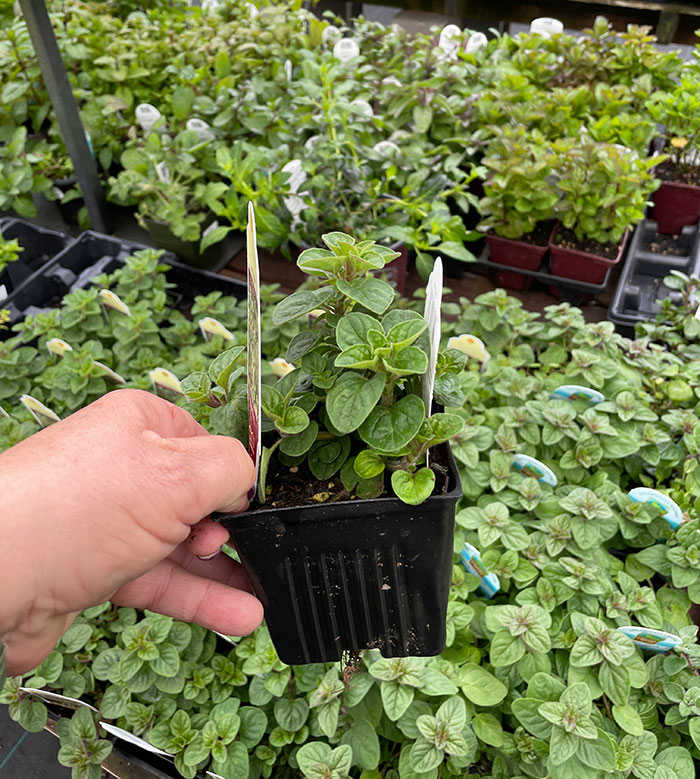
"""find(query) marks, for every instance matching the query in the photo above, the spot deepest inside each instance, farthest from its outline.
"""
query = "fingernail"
(204, 558)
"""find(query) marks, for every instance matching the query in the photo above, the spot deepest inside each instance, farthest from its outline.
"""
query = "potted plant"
(603, 192)
(677, 201)
(519, 200)
(336, 543)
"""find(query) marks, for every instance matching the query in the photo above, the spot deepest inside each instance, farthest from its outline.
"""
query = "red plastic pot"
(517, 254)
(675, 206)
(581, 266)
(513, 280)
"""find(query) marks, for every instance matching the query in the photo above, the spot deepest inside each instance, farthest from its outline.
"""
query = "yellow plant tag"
(111, 300)
(164, 380)
(43, 414)
(211, 327)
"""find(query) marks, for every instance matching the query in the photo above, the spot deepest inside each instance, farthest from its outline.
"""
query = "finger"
(170, 589)
(221, 569)
(31, 642)
(206, 539)
(218, 471)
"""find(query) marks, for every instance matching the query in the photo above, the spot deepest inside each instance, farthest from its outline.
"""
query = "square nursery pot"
(675, 206)
(517, 254)
(579, 265)
(214, 258)
(352, 575)
(513, 280)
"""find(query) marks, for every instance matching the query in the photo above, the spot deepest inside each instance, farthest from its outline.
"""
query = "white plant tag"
(124, 735)
(58, 193)
(111, 300)
(109, 373)
(535, 469)
(297, 175)
(228, 639)
(58, 346)
(295, 205)
(163, 172)
(470, 345)
(346, 49)
(203, 130)
(329, 33)
(211, 327)
(3, 413)
(210, 229)
(252, 10)
(432, 315)
(210, 5)
(147, 115)
(697, 313)
(254, 356)
(163, 379)
(288, 69)
(391, 80)
(54, 697)
(386, 148)
(41, 413)
(363, 107)
(476, 42)
(546, 26)
(280, 367)
(3, 292)
(450, 39)
(311, 142)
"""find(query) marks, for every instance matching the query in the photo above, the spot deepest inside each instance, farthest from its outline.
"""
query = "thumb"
(216, 470)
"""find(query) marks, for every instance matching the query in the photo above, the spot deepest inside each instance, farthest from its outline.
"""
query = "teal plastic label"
(577, 392)
(650, 640)
(470, 558)
(671, 510)
(529, 466)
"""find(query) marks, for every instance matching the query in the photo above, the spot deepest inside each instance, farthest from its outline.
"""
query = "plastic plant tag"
(311, 142)
(528, 466)
(297, 175)
(392, 81)
(450, 39)
(697, 313)
(476, 42)
(577, 392)
(280, 367)
(203, 130)
(471, 346)
(226, 638)
(254, 358)
(163, 172)
(288, 69)
(329, 33)
(470, 558)
(252, 10)
(163, 380)
(672, 511)
(124, 735)
(211, 327)
(43, 414)
(546, 26)
(54, 697)
(109, 373)
(147, 115)
(110, 300)
(346, 49)
(210, 229)
(3, 292)
(58, 346)
(3, 413)
(650, 640)
(363, 107)
(386, 148)
(210, 5)
(432, 315)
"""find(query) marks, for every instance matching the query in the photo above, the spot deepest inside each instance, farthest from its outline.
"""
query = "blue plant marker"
(672, 512)
(470, 558)
(656, 641)
(528, 466)
(577, 392)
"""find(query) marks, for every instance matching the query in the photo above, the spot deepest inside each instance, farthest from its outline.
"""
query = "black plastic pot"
(213, 259)
(641, 289)
(39, 247)
(352, 575)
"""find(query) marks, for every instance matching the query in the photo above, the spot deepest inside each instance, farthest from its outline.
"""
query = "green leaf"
(352, 398)
(425, 756)
(694, 729)
(77, 635)
(371, 293)
(300, 443)
(368, 464)
(300, 303)
(598, 753)
(182, 100)
(352, 329)
(360, 357)
(32, 715)
(488, 729)
(363, 740)
(291, 714)
(405, 333)
(615, 681)
(480, 686)
(562, 746)
(391, 429)
(213, 236)
(396, 698)
(413, 488)
(326, 457)
(628, 719)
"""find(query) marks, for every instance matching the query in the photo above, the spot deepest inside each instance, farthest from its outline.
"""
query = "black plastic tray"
(569, 287)
(641, 289)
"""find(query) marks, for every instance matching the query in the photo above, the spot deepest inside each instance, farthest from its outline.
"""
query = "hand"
(112, 504)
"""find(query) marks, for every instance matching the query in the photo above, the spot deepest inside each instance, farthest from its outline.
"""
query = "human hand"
(112, 504)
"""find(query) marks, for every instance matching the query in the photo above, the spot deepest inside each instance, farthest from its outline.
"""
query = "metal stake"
(61, 95)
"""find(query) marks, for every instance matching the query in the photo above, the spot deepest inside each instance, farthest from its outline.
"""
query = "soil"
(667, 245)
(539, 236)
(568, 240)
(669, 171)
(297, 486)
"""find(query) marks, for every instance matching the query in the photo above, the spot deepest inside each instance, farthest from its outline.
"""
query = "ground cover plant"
(535, 682)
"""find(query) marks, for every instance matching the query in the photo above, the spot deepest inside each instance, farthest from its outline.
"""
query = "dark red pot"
(517, 254)
(513, 280)
(578, 265)
(675, 206)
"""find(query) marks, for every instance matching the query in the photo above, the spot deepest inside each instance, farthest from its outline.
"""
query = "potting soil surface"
(568, 240)
(667, 245)
(669, 171)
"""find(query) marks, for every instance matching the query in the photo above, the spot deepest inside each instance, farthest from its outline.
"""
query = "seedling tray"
(641, 289)
(574, 290)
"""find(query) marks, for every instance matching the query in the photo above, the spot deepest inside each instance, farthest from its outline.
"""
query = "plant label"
(650, 640)
(450, 39)
(147, 115)
(124, 735)
(386, 149)
(163, 380)
(432, 315)
(211, 327)
(3, 292)
(346, 49)
(58, 346)
(546, 26)
(529, 466)
(671, 510)
(54, 697)
(470, 345)
(363, 107)
(254, 356)
(252, 10)
(297, 175)
(41, 413)
(210, 229)
(476, 42)
(577, 392)
(3, 413)
(329, 33)
(697, 313)
(203, 130)
(470, 557)
(311, 142)
(225, 638)
(280, 367)
(163, 172)
(288, 69)
(392, 81)
(113, 376)
(109, 299)
(210, 5)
